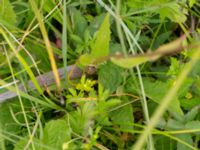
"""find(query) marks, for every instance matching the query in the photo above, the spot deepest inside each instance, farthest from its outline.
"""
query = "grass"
(140, 79)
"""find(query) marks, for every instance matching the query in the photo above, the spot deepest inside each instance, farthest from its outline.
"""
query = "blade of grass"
(20, 99)
(28, 31)
(23, 47)
(47, 43)
(22, 61)
(9, 84)
(64, 39)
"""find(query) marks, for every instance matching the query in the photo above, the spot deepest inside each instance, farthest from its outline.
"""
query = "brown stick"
(44, 80)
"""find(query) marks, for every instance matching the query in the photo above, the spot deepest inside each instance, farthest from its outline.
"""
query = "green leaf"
(164, 143)
(192, 125)
(186, 138)
(185, 87)
(175, 67)
(162, 38)
(173, 12)
(192, 114)
(173, 124)
(188, 104)
(192, 2)
(95, 23)
(123, 117)
(100, 47)
(142, 4)
(165, 8)
(56, 133)
(114, 79)
(39, 53)
(82, 119)
(80, 23)
(7, 122)
(154, 92)
(102, 111)
(86, 59)
(130, 62)
(21, 144)
(7, 14)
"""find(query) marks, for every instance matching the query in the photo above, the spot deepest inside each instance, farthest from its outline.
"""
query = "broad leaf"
(186, 138)
(80, 23)
(7, 14)
(101, 45)
(173, 124)
(110, 76)
(157, 90)
(123, 117)
(192, 114)
(165, 8)
(173, 12)
(56, 133)
(86, 59)
(7, 122)
(164, 143)
(192, 125)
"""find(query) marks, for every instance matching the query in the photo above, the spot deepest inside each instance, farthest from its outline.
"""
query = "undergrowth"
(139, 83)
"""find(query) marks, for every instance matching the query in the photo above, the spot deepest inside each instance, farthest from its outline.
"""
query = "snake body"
(44, 80)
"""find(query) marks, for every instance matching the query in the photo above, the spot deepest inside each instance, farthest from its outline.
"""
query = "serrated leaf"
(82, 119)
(100, 47)
(102, 108)
(114, 79)
(7, 14)
(56, 132)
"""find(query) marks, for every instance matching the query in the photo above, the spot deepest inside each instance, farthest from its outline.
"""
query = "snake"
(47, 79)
